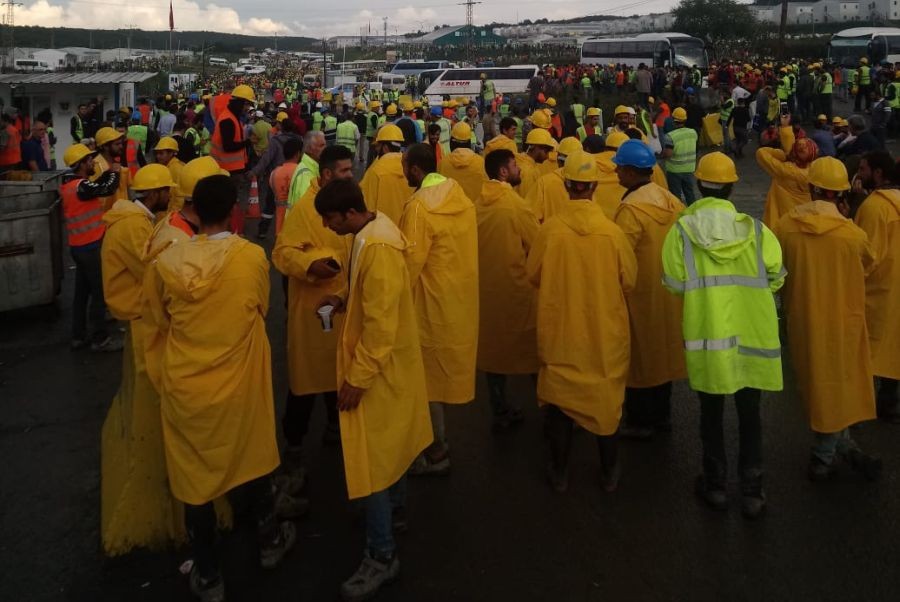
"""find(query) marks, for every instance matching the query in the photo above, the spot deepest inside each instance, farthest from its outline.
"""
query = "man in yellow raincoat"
(462, 164)
(315, 261)
(787, 168)
(828, 258)
(608, 193)
(384, 186)
(440, 224)
(538, 146)
(507, 341)
(583, 267)
(645, 215)
(136, 506)
(549, 195)
(879, 217)
(383, 398)
(166, 151)
(217, 409)
(506, 139)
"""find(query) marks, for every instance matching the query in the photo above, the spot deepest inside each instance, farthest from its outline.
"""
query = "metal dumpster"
(40, 182)
(31, 246)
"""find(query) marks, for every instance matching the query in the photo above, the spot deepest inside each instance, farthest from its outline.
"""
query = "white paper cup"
(325, 317)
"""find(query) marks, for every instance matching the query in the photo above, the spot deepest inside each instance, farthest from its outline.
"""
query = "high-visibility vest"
(865, 75)
(444, 140)
(371, 126)
(382, 119)
(504, 110)
(139, 133)
(79, 127)
(487, 89)
(145, 114)
(132, 148)
(684, 151)
(894, 93)
(585, 82)
(519, 125)
(330, 127)
(346, 135)
(784, 88)
(11, 154)
(578, 111)
(826, 83)
(585, 131)
(84, 219)
(317, 120)
(229, 161)
(196, 138)
(725, 111)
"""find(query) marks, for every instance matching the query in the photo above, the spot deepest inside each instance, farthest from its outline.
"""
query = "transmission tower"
(9, 24)
(470, 27)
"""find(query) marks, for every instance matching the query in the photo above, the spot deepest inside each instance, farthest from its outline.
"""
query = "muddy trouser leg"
(558, 432)
(258, 497)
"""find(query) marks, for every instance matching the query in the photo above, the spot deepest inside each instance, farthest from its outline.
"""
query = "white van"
(393, 81)
(31, 66)
(215, 61)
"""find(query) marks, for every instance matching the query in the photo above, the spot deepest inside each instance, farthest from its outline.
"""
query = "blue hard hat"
(195, 96)
(136, 116)
(436, 111)
(506, 100)
(689, 90)
(635, 153)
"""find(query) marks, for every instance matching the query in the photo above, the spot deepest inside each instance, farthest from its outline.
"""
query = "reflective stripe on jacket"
(229, 161)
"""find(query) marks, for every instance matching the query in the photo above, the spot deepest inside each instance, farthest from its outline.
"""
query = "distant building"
(458, 36)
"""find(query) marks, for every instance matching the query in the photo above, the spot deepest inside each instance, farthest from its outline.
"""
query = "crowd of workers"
(493, 234)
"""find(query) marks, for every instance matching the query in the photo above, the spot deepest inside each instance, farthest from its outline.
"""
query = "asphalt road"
(492, 530)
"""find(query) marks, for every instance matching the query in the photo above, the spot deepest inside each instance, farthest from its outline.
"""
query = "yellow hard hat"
(391, 110)
(463, 100)
(828, 173)
(836, 120)
(551, 102)
(716, 168)
(822, 118)
(168, 97)
(462, 132)
(151, 177)
(580, 167)
(107, 135)
(417, 104)
(389, 133)
(616, 139)
(452, 104)
(244, 92)
(569, 145)
(757, 72)
(651, 100)
(483, 75)
(281, 116)
(844, 122)
(374, 104)
(76, 153)
(863, 61)
(896, 74)
(540, 119)
(166, 143)
(406, 106)
(540, 137)
(679, 114)
(445, 104)
(593, 112)
(359, 107)
(194, 171)
(621, 109)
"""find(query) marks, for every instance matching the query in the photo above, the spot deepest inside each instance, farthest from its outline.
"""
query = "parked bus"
(215, 61)
(652, 49)
(467, 82)
(877, 43)
(417, 67)
(31, 66)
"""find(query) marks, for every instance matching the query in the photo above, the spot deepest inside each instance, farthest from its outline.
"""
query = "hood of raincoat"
(123, 209)
(493, 190)
(893, 199)
(498, 142)
(604, 162)
(462, 157)
(383, 231)
(191, 270)
(445, 198)
(583, 217)
(817, 217)
(717, 229)
(658, 203)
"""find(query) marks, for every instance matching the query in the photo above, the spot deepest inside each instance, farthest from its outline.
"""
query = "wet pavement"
(492, 530)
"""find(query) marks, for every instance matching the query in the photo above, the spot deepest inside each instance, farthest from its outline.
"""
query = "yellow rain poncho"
(498, 142)
(507, 340)
(879, 217)
(385, 188)
(176, 202)
(311, 352)
(548, 196)
(657, 347)
(790, 186)
(128, 226)
(609, 192)
(440, 224)
(217, 411)
(467, 168)
(379, 352)
(824, 297)
(583, 267)
(659, 177)
(530, 172)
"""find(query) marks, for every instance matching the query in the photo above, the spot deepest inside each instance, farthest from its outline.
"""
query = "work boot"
(262, 230)
(369, 577)
(713, 494)
(208, 590)
(820, 471)
(507, 419)
(425, 465)
(868, 466)
(273, 551)
(108, 344)
(753, 499)
(291, 475)
(290, 507)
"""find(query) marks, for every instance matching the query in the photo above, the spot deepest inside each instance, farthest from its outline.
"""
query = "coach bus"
(417, 67)
(652, 49)
(877, 43)
(467, 82)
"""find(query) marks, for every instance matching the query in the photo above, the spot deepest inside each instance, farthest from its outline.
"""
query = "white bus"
(31, 66)
(417, 67)
(392, 81)
(652, 49)
(467, 82)
(215, 61)
(877, 43)
(250, 70)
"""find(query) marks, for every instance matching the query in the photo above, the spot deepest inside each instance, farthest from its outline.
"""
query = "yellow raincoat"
(100, 166)
(379, 352)
(498, 142)
(311, 352)
(467, 168)
(657, 346)
(530, 171)
(548, 196)
(659, 177)
(609, 192)
(879, 217)
(136, 506)
(217, 411)
(176, 202)
(583, 267)
(790, 186)
(440, 224)
(827, 258)
(384, 186)
(507, 341)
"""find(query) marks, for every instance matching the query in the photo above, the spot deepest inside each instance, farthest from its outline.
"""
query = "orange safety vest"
(84, 219)
(229, 161)
(132, 148)
(12, 154)
(145, 114)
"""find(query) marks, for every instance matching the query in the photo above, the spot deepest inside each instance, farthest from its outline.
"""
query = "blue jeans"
(682, 185)
(379, 524)
(828, 445)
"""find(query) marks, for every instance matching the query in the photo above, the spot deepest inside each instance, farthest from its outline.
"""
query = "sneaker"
(868, 466)
(715, 498)
(271, 553)
(290, 507)
(212, 590)
(369, 577)
(558, 479)
(425, 466)
(263, 229)
(399, 520)
(820, 471)
(332, 435)
(108, 344)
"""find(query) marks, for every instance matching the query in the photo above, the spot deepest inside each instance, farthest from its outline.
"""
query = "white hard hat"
(259, 113)
(318, 105)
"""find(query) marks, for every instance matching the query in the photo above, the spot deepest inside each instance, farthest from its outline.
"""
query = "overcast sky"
(314, 18)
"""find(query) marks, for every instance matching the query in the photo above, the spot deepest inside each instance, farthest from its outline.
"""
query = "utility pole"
(782, 28)
(385, 19)
(9, 22)
(470, 27)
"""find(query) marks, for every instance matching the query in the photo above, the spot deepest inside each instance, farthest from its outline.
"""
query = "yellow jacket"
(657, 347)
(583, 267)
(790, 186)
(311, 352)
(659, 177)
(498, 142)
(827, 258)
(530, 172)
(467, 168)
(128, 226)
(379, 352)
(609, 192)
(507, 341)
(548, 196)
(176, 201)
(218, 414)
(879, 217)
(385, 188)
(440, 224)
